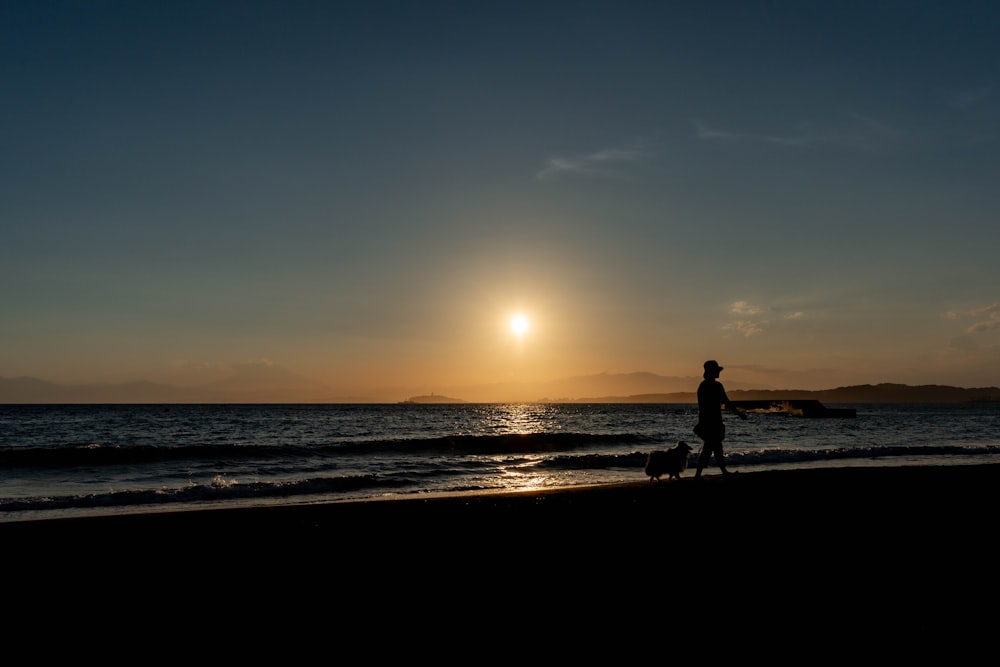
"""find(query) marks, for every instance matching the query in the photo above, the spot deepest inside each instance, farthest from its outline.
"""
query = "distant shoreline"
(31, 391)
(881, 393)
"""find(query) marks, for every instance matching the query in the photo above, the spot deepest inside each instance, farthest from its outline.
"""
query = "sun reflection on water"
(522, 474)
(521, 418)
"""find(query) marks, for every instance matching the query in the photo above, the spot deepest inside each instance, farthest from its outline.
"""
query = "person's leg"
(706, 452)
(720, 458)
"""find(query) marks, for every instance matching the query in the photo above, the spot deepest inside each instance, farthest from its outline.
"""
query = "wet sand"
(822, 511)
(837, 554)
(841, 559)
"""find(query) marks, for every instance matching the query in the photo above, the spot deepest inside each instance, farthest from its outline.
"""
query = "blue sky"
(364, 193)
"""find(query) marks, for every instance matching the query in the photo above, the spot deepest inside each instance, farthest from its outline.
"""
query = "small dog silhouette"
(671, 462)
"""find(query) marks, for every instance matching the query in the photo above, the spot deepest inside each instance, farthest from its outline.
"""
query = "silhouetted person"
(711, 429)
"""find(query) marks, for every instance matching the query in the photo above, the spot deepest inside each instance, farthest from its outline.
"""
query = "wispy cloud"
(748, 324)
(980, 337)
(705, 131)
(607, 163)
(987, 319)
(987, 138)
(753, 319)
(859, 132)
(965, 99)
(745, 327)
(744, 308)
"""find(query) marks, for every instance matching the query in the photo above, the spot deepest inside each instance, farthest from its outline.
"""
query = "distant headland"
(433, 399)
(280, 386)
(865, 393)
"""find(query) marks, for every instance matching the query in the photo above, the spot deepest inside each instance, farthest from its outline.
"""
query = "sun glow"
(519, 325)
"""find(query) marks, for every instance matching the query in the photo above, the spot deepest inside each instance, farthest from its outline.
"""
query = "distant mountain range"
(280, 386)
(865, 393)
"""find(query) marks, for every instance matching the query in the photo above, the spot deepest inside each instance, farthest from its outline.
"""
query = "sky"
(364, 194)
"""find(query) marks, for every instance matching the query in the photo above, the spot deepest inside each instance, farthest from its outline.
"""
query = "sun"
(519, 325)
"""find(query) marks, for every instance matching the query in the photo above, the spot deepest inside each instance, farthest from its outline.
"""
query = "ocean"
(69, 460)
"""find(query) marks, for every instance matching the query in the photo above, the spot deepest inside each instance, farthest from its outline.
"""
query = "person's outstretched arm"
(732, 408)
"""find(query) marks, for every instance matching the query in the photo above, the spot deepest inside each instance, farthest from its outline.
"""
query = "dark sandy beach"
(826, 510)
(830, 552)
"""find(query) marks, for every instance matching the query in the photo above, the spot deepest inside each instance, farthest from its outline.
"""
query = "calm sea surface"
(58, 460)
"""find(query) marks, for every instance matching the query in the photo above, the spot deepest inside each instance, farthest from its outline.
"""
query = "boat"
(793, 408)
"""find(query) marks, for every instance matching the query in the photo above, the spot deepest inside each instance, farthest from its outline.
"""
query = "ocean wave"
(452, 479)
(95, 454)
(219, 490)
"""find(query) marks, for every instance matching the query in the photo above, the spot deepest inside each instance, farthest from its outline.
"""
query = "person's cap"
(712, 364)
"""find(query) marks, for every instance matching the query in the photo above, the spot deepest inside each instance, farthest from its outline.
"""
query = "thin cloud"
(745, 327)
(978, 139)
(989, 319)
(188, 365)
(861, 132)
(605, 163)
(873, 127)
(752, 319)
(744, 308)
(704, 131)
(966, 99)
